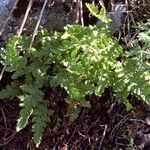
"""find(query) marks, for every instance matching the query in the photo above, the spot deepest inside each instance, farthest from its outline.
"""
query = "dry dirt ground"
(105, 126)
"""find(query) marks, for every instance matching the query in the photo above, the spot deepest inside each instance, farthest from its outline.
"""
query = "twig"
(38, 22)
(133, 37)
(128, 24)
(78, 11)
(111, 107)
(2, 72)
(25, 17)
(5, 122)
(102, 139)
(117, 126)
(137, 120)
(92, 125)
(82, 135)
(72, 134)
(8, 139)
(101, 2)
(54, 148)
(81, 12)
(113, 103)
(112, 5)
(10, 14)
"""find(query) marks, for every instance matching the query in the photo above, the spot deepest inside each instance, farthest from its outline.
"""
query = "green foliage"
(134, 73)
(9, 91)
(142, 43)
(82, 60)
(99, 14)
(29, 92)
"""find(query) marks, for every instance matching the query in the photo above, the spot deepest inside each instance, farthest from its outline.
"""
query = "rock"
(54, 17)
(116, 15)
(5, 7)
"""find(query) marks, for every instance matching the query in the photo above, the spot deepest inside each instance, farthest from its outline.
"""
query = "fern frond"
(26, 111)
(41, 115)
(9, 92)
(33, 105)
(11, 57)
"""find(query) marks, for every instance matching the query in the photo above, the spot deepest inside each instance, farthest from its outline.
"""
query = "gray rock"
(116, 15)
(5, 7)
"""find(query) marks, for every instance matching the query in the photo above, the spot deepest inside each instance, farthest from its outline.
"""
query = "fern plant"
(29, 92)
(82, 60)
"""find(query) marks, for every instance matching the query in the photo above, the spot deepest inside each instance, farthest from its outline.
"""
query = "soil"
(107, 125)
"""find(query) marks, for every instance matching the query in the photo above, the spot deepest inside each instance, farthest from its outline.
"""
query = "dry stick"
(124, 29)
(8, 139)
(2, 29)
(38, 22)
(118, 125)
(54, 148)
(81, 12)
(112, 5)
(101, 2)
(133, 37)
(5, 122)
(2, 72)
(25, 17)
(136, 32)
(138, 120)
(72, 134)
(128, 23)
(104, 133)
(78, 12)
